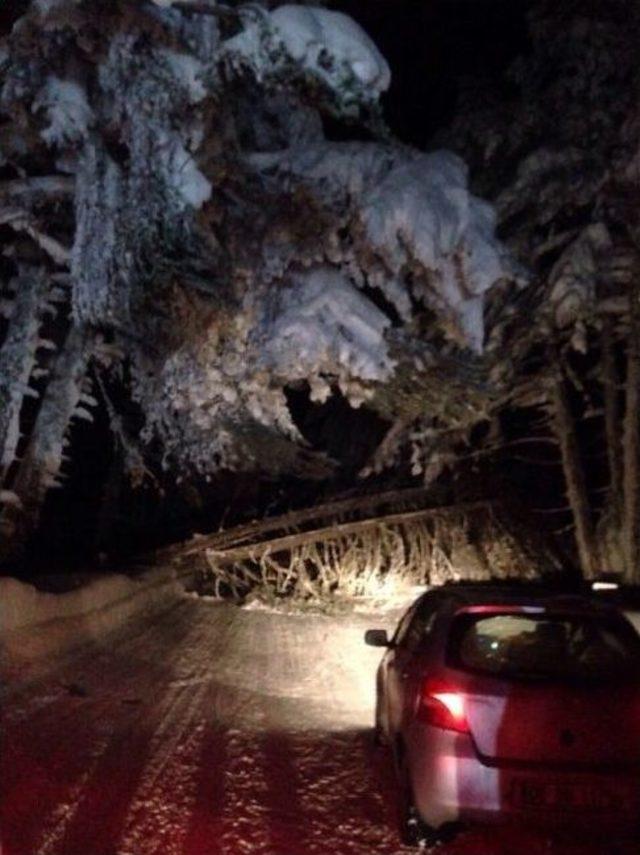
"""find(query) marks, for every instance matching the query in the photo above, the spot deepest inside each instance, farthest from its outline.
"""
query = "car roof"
(517, 594)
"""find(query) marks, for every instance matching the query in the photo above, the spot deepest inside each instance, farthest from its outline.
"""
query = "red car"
(507, 706)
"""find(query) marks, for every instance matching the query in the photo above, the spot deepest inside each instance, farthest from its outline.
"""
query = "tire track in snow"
(254, 817)
(110, 797)
(245, 828)
(205, 831)
(56, 825)
(55, 758)
(222, 704)
(287, 824)
(46, 767)
(105, 801)
(34, 770)
(346, 812)
(82, 738)
(159, 816)
(160, 811)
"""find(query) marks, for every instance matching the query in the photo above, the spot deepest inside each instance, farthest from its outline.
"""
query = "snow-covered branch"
(228, 249)
(325, 46)
(18, 357)
(44, 454)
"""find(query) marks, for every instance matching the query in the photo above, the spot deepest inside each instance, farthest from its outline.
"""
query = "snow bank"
(36, 623)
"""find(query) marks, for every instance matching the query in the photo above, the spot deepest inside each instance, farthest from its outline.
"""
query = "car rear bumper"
(451, 783)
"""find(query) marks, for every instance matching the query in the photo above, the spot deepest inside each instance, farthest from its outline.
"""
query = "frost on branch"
(130, 216)
(18, 357)
(327, 47)
(43, 457)
(68, 112)
(560, 161)
(574, 277)
(423, 216)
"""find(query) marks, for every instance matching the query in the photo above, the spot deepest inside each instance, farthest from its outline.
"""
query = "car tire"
(413, 831)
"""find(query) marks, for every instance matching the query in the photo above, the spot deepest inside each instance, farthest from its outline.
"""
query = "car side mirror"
(377, 638)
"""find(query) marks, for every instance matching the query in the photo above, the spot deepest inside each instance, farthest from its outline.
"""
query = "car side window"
(403, 626)
(420, 627)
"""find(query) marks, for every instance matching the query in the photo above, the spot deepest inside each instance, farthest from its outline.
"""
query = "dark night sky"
(430, 44)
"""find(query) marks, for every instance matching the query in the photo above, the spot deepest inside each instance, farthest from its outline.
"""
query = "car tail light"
(444, 707)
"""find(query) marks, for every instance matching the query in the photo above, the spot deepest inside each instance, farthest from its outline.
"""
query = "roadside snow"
(37, 624)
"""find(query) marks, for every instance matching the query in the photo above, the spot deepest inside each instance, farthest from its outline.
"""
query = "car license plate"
(527, 793)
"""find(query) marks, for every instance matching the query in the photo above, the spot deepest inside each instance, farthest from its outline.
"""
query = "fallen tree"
(371, 556)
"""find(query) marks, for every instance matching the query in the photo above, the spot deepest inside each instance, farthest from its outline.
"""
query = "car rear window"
(552, 647)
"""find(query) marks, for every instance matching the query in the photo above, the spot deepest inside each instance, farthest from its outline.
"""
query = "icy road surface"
(211, 730)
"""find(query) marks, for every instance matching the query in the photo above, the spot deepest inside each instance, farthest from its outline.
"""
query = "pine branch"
(34, 187)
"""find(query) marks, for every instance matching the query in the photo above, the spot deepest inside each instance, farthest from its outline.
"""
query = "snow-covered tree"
(560, 160)
(166, 162)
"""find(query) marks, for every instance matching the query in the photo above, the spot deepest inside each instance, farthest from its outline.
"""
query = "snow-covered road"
(209, 730)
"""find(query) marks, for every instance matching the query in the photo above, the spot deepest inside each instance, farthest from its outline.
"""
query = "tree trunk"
(631, 442)
(109, 505)
(18, 358)
(564, 428)
(611, 418)
(40, 466)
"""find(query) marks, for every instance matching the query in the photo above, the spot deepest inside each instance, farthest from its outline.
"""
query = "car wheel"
(413, 831)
